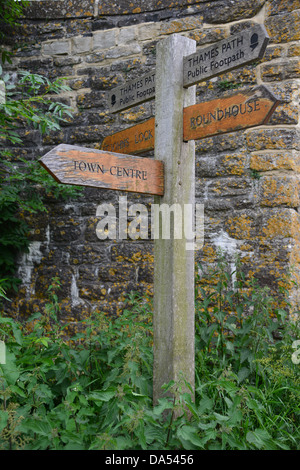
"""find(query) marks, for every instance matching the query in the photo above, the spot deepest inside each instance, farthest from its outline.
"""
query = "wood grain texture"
(70, 164)
(233, 113)
(173, 301)
(2, 92)
(243, 48)
(133, 141)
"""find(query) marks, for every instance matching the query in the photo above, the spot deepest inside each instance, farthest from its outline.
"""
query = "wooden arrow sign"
(70, 164)
(133, 141)
(239, 111)
(132, 93)
(240, 49)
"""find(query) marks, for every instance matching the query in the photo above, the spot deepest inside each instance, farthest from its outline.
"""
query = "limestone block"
(104, 39)
(205, 35)
(56, 48)
(283, 70)
(280, 190)
(59, 9)
(287, 91)
(276, 7)
(242, 225)
(233, 186)
(127, 35)
(91, 100)
(224, 12)
(95, 57)
(286, 114)
(81, 44)
(221, 165)
(182, 24)
(285, 27)
(148, 31)
(275, 160)
(132, 253)
(294, 50)
(277, 138)
(66, 231)
(273, 52)
(232, 164)
(280, 222)
(85, 134)
(87, 253)
(123, 51)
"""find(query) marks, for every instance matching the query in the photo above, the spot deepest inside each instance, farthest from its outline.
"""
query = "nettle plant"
(93, 389)
(30, 104)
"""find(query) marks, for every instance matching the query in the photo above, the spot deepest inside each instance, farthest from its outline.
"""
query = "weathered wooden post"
(2, 92)
(174, 265)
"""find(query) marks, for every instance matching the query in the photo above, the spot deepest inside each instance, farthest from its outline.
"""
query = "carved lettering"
(231, 113)
(71, 164)
(132, 93)
(134, 140)
(245, 47)
(226, 113)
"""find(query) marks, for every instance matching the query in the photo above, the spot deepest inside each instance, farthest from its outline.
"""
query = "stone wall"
(248, 180)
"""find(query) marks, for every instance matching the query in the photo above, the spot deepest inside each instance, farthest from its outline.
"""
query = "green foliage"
(30, 104)
(228, 85)
(255, 174)
(94, 391)
(247, 382)
(29, 101)
(25, 184)
(10, 11)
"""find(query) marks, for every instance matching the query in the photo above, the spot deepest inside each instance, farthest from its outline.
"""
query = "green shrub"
(94, 390)
(24, 184)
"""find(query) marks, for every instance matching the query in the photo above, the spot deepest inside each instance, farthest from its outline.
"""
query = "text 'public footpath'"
(211, 56)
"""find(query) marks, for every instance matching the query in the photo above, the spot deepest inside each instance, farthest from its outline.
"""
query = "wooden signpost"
(174, 265)
(170, 177)
(70, 164)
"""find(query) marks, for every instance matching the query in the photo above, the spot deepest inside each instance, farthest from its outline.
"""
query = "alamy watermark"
(176, 221)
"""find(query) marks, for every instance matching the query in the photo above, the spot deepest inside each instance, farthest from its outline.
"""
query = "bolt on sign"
(70, 164)
(245, 47)
(134, 140)
(132, 93)
(239, 111)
